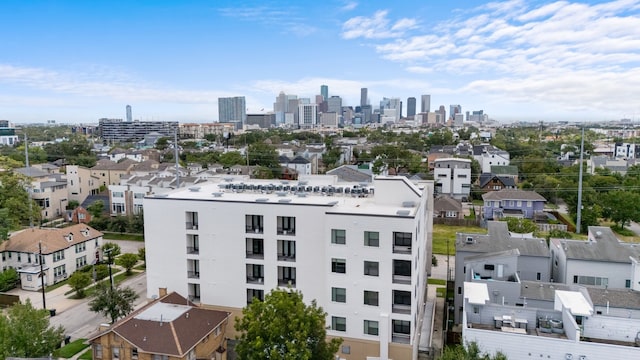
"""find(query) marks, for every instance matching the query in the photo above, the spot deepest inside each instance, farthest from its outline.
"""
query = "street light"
(107, 252)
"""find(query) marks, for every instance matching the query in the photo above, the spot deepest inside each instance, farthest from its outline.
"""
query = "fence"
(549, 227)
(456, 222)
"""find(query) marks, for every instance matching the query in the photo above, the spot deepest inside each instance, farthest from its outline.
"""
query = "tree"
(8, 279)
(521, 226)
(284, 327)
(79, 281)
(114, 303)
(72, 204)
(142, 255)
(96, 209)
(621, 206)
(470, 352)
(231, 158)
(127, 261)
(112, 249)
(25, 332)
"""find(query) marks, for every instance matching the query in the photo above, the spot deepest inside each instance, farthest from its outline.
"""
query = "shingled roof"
(513, 194)
(52, 239)
(171, 325)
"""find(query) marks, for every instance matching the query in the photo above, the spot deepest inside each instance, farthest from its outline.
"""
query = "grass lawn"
(440, 292)
(55, 286)
(71, 349)
(87, 355)
(436, 281)
(443, 233)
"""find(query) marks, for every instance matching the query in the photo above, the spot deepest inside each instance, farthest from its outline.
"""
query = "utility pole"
(41, 260)
(176, 153)
(26, 156)
(108, 253)
(579, 210)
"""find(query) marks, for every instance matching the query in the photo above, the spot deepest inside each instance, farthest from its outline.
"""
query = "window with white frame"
(372, 238)
(371, 268)
(117, 194)
(81, 247)
(97, 351)
(58, 255)
(371, 298)
(371, 327)
(81, 261)
(59, 271)
(338, 323)
(338, 266)
(338, 236)
(338, 294)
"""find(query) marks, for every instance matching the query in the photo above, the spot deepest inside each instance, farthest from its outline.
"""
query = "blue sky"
(77, 61)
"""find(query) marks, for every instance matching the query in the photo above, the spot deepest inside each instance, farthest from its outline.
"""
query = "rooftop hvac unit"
(469, 240)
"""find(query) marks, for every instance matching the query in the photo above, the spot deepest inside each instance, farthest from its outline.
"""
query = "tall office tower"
(334, 104)
(232, 110)
(393, 104)
(411, 107)
(364, 258)
(308, 115)
(425, 105)
(443, 114)
(363, 97)
(129, 116)
(454, 110)
(324, 91)
(292, 108)
(367, 111)
(347, 114)
(280, 107)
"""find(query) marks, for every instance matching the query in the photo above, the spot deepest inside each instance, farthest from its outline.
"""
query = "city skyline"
(171, 61)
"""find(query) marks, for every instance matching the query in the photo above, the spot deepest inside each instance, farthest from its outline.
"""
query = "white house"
(362, 252)
(489, 155)
(453, 177)
(127, 199)
(63, 252)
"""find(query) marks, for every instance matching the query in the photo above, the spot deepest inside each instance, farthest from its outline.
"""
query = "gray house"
(602, 261)
(513, 203)
(533, 257)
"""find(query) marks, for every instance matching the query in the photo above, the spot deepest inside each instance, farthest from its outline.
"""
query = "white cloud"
(286, 19)
(566, 53)
(376, 27)
(351, 5)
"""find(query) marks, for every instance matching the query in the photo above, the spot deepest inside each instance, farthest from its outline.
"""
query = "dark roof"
(505, 180)
(513, 194)
(499, 239)
(447, 203)
(31, 172)
(504, 170)
(177, 335)
(349, 173)
(603, 245)
(300, 160)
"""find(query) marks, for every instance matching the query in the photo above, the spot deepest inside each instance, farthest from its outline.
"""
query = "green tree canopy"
(114, 303)
(283, 327)
(470, 352)
(127, 261)
(112, 248)
(79, 281)
(621, 206)
(25, 332)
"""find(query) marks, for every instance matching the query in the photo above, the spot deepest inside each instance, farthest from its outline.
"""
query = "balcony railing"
(287, 282)
(256, 230)
(193, 250)
(401, 309)
(286, 231)
(400, 338)
(193, 274)
(401, 279)
(401, 249)
(254, 255)
(191, 225)
(286, 257)
(255, 280)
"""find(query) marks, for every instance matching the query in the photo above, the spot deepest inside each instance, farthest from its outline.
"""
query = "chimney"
(162, 292)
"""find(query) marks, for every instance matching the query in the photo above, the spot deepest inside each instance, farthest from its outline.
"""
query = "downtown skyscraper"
(232, 110)
(425, 104)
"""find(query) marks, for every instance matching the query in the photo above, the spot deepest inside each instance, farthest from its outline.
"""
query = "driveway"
(635, 227)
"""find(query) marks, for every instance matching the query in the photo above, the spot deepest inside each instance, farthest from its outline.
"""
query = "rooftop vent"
(281, 193)
(304, 182)
(262, 199)
(469, 240)
(403, 212)
(598, 234)
(162, 195)
(332, 203)
(301, 194)
(194, 189)
(217, 194)
(284, 200)
(408, 204)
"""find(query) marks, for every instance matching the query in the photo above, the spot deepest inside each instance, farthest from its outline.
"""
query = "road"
(79, 322)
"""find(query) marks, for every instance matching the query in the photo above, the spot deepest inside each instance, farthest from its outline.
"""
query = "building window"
(193, 244)
(371, 268)
(371, 298)
(134, 353)
(255, 248)
(81, 261)
(346, 349)
(371, 327)
(191, 220)
(538, 276)
(338, 323)
(338, 295)
(81, 247)
(338, 266)
(253, 294)
(286, 276)
(138, 195)
(627, 283)
(590, 280)
(57, 256)
(255, 274)
(254, 224)
(401, 327)
(372, 238)
(115, 352)
(118, 194)
(338, 236)
(402, 242)
(402, 271)
(160, 357)
(97, 351)
(286, 225)
(401, 302)
(286, 250)
(117, 208)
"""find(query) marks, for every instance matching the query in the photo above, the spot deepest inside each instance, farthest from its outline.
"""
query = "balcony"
(191, 225)
(400, 338)
(193, 250)
(402, 279)
(255, 280)
(286, 231)
(254, 230)
(401, 309)
(255, 255)
(286, 257)
(193, 274)
(401, 249)
(287, 282)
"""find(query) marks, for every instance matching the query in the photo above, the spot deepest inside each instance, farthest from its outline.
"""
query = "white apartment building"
(127, 199)
(453, 177)
(63, 252)
(361, 251)
(80, 183)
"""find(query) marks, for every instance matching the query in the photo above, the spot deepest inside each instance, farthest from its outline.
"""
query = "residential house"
(512, 203)
(301, 165)
(489, 155)
(48, 190)
(362, 255)
(490, 182)
(452, 176)
(352, 173)
(444, 206)
(79, 215)
(109, 173)
(170, 327)
(533, 257)
(127, 199)
(602, 261)
(80, 183)
(63, 252)
(505, 171)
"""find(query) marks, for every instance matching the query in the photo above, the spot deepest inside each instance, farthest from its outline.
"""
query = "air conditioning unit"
(469, 240)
